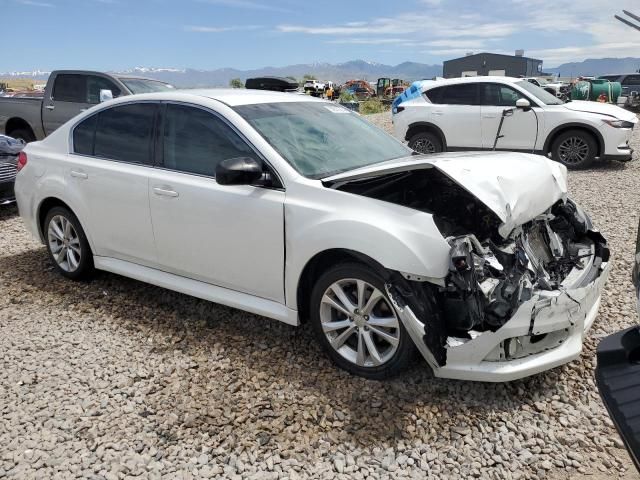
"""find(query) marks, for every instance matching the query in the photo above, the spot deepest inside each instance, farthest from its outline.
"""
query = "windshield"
(141, 85)
(321, 139)
(540, 93)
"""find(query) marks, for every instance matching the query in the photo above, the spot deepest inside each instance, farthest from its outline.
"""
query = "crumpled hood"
(601, 109)
(517, 187)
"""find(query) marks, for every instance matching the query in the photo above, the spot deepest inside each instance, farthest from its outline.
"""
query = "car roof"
(229, 96)
(483, 79)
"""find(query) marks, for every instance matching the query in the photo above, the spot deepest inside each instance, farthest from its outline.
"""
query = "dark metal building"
(482, 64)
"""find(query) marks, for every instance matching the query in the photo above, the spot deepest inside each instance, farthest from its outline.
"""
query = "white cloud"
(585, 29)
(367, 41)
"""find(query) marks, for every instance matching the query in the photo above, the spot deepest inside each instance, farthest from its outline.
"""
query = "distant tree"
(236, 83)
(308, 77)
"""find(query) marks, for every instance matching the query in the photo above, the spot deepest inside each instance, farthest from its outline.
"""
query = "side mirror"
(523, 104)
(105, 95)
(238, 171)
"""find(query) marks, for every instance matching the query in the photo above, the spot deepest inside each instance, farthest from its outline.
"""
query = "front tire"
(67, 244)
(425, 142)
(356, 324)
(575, 149)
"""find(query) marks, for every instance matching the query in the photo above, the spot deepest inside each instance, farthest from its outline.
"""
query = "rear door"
(227, 235)
(110, 166)
(456, 110)
(71, 94)
(518, 129)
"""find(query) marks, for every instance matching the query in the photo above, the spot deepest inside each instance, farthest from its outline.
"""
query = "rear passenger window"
(70, 88)
(463, 94)
(83, 136)
(195, 141)
(435, 94)
(125, 133)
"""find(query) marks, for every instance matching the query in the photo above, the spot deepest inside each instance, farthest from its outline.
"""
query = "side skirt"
(195, 288)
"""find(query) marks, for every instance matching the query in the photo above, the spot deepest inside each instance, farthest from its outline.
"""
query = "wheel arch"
(560, 129)
(319, 264)
(17, 123)
(44, 207)
(417, 127)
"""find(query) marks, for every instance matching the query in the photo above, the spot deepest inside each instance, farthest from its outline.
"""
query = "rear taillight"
(22, 161)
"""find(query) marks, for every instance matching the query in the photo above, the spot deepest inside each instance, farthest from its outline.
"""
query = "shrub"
(347, 96)
(370, 106)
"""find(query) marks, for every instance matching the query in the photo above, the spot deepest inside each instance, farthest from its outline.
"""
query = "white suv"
(502, 113)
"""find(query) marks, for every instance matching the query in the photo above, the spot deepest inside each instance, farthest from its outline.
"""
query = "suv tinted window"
(95, 84)
(84, 135)
(435, 94)
(70, 88)
(499, 95)
(125, 133)
(463, 94)
(195, 141)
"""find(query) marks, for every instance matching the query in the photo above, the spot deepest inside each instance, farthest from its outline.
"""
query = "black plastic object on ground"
(276, 84)
(618, 379)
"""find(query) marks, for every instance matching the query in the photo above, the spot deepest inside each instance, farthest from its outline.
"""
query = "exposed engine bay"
(490, 276)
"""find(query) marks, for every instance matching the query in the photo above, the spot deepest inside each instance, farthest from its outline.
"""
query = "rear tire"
(575, 149)
(23, 134)
(358, 326)
(426, 142)
(67, 244)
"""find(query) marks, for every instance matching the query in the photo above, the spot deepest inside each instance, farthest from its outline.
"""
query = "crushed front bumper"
(556, 320)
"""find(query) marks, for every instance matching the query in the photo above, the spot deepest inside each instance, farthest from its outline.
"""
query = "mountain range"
(341, 72)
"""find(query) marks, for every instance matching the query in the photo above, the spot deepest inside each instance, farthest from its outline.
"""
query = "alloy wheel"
(424, 145)
(359, 322)
(64, 243)
(574, 151)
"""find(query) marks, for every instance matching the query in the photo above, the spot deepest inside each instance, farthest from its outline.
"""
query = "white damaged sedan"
(299, 210)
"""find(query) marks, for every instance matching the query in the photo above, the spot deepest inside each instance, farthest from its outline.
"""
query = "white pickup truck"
(68, 92)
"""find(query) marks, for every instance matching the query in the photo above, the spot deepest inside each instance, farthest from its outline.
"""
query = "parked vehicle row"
(67, 93)
(299, 210)
(502, 113)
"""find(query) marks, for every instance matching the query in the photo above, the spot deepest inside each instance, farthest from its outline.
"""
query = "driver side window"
(497, 95)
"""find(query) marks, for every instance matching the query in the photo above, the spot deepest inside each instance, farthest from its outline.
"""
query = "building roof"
(494, 55)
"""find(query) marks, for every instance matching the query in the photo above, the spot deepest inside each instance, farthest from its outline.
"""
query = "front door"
(520, 127)
(71, 94)
(230, 236)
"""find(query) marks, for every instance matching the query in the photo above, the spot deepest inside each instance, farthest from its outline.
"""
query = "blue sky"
(209, 34)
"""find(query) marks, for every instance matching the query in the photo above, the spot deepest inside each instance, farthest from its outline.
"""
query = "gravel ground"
(118, 379)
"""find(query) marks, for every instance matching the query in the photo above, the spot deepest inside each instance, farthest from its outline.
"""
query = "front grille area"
(7, 170)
